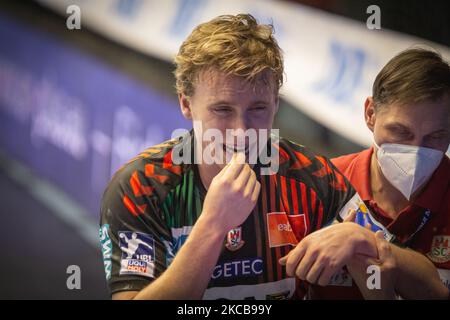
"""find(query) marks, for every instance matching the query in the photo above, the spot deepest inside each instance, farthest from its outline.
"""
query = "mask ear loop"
(375, 143)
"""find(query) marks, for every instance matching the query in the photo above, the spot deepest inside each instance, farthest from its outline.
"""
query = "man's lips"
(233, 149)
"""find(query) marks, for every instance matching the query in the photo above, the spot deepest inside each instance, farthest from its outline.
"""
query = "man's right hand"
(232, 195)
(387, 265)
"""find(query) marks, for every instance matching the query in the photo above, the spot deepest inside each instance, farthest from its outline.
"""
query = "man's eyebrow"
(257, 102)
(222, 103)
(229, 103)
(397, 125)
(439, 131)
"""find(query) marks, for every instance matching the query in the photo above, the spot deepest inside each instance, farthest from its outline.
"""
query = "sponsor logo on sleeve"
(138, 253)
(106, 245)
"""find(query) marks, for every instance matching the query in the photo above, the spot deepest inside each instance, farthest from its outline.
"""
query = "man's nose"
(418, 141)
(240, 125)
(239, 130)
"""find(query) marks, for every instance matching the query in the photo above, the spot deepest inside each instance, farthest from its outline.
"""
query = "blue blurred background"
(77, 104)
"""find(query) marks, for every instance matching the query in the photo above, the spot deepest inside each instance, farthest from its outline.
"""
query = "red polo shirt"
(433, 239)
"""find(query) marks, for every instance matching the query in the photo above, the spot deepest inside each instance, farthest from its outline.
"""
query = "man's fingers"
(351, 216)
(305, 264)
(256, 190)
(251, 182)
(326, 275)
(314, 273)
(224, 169)
(245, 177)
(235, 166)
(283, 260)
(382, 246)
(292, 259)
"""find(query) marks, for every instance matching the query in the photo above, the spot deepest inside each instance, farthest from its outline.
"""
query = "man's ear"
(185, 105)
(369, 113)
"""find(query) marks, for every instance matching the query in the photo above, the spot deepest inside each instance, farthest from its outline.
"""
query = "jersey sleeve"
(328, 190)
(339, 195)
(133, 234)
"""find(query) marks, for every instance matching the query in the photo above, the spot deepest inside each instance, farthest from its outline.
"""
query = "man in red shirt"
(403, 181)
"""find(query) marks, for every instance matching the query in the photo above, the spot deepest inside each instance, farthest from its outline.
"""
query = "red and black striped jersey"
(151, 205)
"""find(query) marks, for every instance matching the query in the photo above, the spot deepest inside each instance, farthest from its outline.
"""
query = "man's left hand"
(323, 253)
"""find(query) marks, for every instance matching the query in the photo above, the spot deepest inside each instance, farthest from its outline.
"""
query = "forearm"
(358, 272)
(417, 277)
(190, 272)
(383, 258)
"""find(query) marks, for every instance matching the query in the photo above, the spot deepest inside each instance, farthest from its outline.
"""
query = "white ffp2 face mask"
(407, 167)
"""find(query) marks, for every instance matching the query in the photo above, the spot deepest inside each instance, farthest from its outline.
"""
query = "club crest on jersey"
(234, 239)
(440, 249)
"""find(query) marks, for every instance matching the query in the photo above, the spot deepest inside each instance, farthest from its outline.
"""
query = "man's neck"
(386, 196)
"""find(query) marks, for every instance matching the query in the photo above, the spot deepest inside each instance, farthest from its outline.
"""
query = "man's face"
(424, 124)
(229, 102)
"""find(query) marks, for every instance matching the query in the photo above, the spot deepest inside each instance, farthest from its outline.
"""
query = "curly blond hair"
(234, 44)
